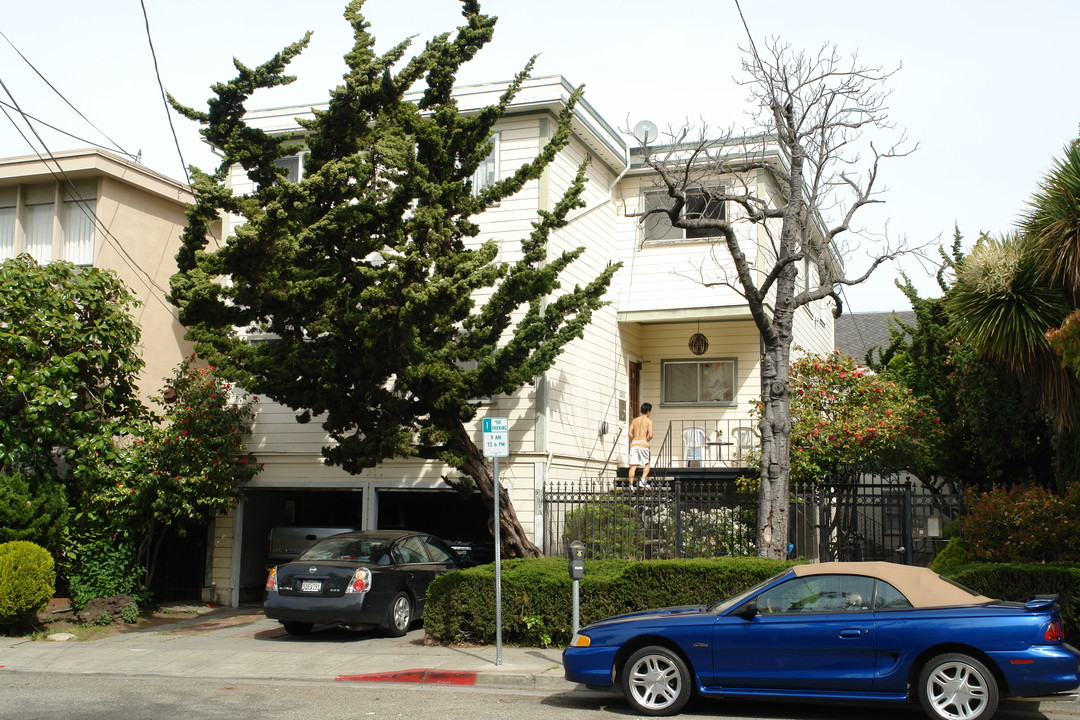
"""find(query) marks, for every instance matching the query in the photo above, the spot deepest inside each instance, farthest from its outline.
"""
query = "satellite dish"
(646, 131)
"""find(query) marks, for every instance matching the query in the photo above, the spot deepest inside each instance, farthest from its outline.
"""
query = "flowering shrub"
(847, 419)
(177, 473)
(1022, 524)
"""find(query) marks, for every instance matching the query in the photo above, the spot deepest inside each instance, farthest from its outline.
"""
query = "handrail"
(663, 457)
(611, 452)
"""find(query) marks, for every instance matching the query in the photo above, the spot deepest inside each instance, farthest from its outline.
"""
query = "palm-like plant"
(1004, 307)
(1052, 223)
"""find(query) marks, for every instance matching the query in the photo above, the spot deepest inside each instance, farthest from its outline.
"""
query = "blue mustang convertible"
(835, 631)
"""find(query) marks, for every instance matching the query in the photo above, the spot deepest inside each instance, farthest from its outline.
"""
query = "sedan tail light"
(1054, 633)
(271, 579)
(360, 582)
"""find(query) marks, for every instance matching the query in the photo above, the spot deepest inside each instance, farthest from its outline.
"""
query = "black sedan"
(363, 579)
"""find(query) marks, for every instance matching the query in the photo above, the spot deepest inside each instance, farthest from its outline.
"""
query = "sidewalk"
(240, 643)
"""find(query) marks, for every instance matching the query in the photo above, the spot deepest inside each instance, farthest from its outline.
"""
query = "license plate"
(310, 585)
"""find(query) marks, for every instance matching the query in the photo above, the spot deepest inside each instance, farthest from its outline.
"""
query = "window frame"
(685, 235)
(732, 377)
(479, 183)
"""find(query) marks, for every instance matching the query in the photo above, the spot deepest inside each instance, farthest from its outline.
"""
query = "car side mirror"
(748, 611)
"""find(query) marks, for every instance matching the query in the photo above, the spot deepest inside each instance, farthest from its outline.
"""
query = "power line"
(61, 96)
(161, 86)
(39, 121)
(61, 177)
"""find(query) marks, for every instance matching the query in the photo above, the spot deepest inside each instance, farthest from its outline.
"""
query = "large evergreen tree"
(390, 321)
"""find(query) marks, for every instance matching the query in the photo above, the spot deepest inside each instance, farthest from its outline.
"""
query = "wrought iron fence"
(896, 520)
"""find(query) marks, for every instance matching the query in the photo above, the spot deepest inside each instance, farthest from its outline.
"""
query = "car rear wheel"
(399, 615)
(656, 681)
(955, 686)
(297, 628)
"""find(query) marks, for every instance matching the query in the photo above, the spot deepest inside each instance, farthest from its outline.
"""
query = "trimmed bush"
(1010, 581)
(536, 595)
(27, 581)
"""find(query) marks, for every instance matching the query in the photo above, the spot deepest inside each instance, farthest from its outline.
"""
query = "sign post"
(497, 445)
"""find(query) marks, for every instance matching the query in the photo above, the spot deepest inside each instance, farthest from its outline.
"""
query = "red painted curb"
(419, 675)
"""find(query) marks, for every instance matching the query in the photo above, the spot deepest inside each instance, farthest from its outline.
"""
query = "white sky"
(988, 89)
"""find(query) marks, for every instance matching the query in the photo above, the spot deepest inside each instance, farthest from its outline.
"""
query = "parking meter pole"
(575, 616)
(577, 569)
(498, 568)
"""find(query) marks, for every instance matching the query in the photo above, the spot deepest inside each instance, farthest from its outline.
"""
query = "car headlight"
(580, 640)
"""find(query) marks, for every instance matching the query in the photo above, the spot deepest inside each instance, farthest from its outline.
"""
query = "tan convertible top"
(921, 586)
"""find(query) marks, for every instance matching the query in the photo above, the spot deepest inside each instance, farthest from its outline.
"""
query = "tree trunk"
(773, 500)
(514, 541)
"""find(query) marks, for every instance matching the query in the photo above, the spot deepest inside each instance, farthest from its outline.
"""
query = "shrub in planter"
(27, 581)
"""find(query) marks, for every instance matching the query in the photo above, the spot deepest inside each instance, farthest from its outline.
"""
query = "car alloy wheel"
(400, 615)
(957, 687)
(656, 681)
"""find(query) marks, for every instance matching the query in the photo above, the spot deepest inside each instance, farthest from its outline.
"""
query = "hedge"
(1015, 581)
(536, 595)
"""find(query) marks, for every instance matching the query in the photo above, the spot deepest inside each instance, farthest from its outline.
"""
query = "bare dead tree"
(799, 165)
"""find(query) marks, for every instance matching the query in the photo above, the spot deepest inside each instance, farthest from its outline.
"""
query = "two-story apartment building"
(570, 423)
(669, 336)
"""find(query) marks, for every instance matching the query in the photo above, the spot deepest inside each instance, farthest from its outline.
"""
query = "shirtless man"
(640, 436)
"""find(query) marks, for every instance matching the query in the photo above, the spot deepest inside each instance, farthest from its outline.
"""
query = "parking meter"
(577, 569)
(577, 560)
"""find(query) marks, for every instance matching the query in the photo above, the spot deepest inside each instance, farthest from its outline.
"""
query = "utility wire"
(61, 96)
(39, 121)
(161, 86)
(61, 177)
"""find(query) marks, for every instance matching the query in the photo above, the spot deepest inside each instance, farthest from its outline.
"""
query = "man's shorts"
(639, 455)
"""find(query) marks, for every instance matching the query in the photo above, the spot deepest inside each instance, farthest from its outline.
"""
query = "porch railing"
(709, 442)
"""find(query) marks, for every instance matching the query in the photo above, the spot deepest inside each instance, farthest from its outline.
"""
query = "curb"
(476, 678)
(419, 675)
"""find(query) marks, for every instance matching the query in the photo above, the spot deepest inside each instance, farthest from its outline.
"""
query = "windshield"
(731, 602)
(351, 549)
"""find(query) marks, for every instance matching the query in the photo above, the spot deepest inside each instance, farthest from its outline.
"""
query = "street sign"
(496, 437)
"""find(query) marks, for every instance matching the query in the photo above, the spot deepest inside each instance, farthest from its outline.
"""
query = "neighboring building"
(860, 333)
(96, 209)
(570, 424)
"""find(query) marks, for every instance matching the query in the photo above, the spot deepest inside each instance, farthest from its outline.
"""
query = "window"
(8, 197)
(77, 220)
(292, 166)
(38, 214)
(696, 382)
(818, 594)
(887, 597)
(488, 171)
(30, 221)
(699, 204)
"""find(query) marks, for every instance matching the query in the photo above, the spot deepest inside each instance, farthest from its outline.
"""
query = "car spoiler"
(1040, 602)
